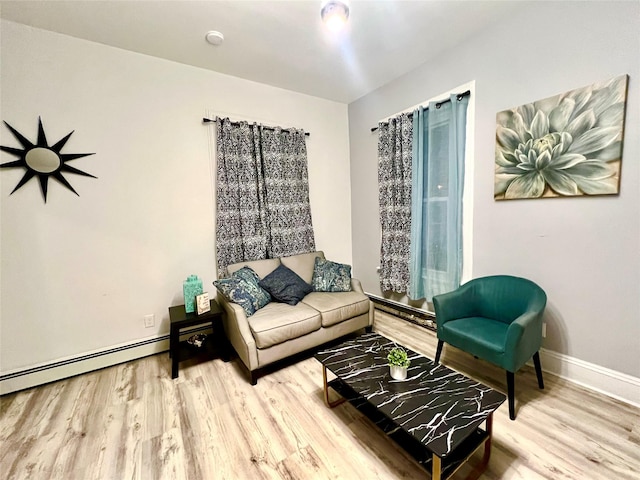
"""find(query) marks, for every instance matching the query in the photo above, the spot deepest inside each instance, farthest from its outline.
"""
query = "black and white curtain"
(394, 195)
(284, 154)
(262, 191)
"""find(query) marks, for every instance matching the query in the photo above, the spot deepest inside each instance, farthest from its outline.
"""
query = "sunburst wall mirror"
(42, 161)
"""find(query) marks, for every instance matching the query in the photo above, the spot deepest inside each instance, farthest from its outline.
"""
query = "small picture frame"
(202, 303)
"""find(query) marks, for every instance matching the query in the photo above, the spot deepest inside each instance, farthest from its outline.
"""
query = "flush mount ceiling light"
(214, 37)
(334, 14)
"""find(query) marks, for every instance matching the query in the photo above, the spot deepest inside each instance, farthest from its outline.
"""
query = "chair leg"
(439, 351)
(511, 395)
(536, 363)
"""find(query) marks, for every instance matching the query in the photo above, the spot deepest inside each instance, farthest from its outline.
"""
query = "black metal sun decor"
(42, 160)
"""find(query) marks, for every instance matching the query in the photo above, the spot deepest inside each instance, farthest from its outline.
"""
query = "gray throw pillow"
(285, 285)
(331, 276)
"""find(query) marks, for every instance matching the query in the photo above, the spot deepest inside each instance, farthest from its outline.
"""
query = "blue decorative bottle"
(191, 287)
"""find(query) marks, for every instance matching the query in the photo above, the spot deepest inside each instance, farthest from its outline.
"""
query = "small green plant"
(398, 356)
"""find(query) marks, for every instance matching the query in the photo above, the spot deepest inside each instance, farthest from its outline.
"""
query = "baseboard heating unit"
(406, 312)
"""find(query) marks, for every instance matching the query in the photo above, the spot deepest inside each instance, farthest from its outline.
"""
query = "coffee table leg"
(436, 467)
(482, 466)
(327, 402)
(436, 462)
(487, 442)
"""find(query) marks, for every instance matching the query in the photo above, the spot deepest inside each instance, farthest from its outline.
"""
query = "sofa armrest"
(356, 286)
(236, 327)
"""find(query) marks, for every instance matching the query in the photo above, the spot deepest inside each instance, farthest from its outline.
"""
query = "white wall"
(79, 273)
(585, 252)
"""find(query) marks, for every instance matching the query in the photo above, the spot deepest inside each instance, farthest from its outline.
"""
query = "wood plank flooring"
(132, 421)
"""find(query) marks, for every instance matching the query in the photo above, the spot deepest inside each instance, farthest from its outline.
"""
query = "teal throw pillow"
(260, 297)
(235, 290)
(331, 276)
(285, 285)
(242, 288)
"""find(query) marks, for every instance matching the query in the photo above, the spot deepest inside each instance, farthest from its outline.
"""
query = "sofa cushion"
(261, 267)
(285, 286)
(302, 264)
(278, 322)
(331, 276)
(483, 337)
(336, 307)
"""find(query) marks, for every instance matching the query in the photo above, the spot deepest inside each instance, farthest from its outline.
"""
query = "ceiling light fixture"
(214, 37)
(334, 14)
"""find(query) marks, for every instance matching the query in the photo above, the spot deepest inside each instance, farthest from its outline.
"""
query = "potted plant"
(398, 363)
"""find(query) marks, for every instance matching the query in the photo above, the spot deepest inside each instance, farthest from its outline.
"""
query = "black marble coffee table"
(435, 414)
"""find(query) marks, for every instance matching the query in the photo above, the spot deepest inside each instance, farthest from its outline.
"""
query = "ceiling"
(278, 43)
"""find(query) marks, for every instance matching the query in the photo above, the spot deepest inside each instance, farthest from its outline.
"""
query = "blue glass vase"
(191, 287)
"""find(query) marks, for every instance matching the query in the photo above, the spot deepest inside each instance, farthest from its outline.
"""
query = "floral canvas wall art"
(566, 145)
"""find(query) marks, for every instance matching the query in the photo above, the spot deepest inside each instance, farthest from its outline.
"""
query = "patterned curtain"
(241, 221)
(284, 154)
(394, 196)
(263, 208)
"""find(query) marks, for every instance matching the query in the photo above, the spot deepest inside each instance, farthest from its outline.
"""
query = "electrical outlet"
(149, 320)
(544, 330)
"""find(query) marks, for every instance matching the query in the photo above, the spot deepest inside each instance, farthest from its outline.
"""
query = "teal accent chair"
(496, 318)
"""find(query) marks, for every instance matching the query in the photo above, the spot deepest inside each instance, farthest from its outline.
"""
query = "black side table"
(215, 343)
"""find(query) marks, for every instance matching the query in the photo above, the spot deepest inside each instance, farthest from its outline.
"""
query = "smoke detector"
(214, 37)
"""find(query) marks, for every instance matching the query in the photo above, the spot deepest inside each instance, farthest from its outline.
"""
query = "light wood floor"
(132, 421)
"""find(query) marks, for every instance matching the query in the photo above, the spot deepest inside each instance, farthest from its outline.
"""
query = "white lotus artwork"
(566, 145)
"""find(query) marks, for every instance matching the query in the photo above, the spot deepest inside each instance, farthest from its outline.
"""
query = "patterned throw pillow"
(234, 290)
(285, 285)
(331, 276)
(260, 296)
(242, 288)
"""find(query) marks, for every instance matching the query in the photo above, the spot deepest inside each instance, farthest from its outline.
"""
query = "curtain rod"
(459, 97)
(208, 120)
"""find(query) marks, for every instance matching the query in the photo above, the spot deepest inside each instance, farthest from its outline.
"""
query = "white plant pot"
(398, 373)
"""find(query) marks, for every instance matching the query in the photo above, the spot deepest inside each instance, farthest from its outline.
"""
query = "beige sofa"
(279, 330)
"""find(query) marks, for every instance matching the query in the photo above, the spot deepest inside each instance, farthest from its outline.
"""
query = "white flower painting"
(566, 145)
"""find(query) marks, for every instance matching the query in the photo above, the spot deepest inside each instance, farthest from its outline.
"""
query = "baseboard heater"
(22, 379)
(406, 312)
(81, 358)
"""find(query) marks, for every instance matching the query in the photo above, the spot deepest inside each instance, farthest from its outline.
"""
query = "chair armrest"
(453, 305)
(236, 327)
(524, 338)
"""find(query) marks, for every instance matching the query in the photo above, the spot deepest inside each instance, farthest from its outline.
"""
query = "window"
(439, 137)
(422, 256)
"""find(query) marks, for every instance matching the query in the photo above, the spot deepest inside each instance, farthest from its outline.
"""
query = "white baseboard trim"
(40, 374)
(612, 383)
(604, 380)
(609, 382)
